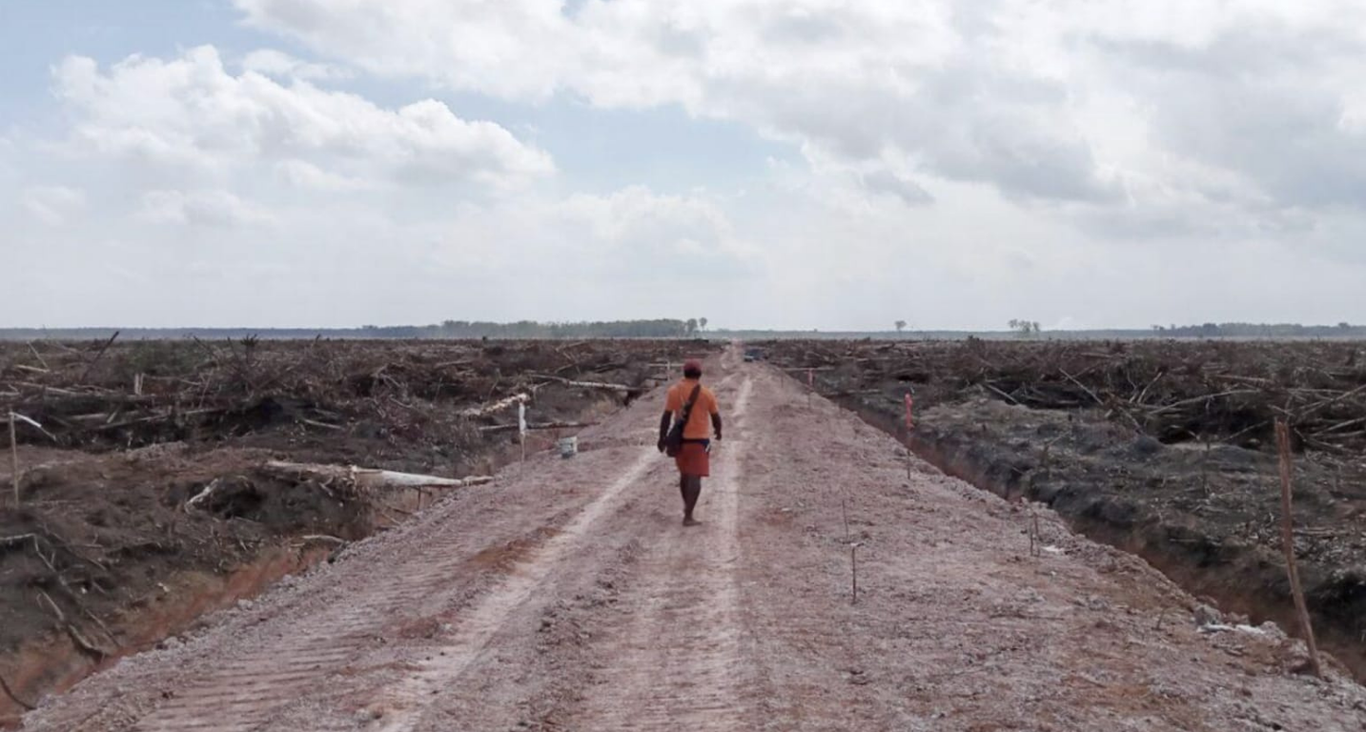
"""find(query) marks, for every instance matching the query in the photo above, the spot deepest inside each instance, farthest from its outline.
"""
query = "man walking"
(691, 408)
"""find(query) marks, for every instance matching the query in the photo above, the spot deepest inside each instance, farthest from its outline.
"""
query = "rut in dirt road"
(680, 661)
(566, 596)
(404, 703)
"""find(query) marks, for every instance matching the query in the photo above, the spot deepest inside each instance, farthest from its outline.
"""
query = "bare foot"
(690, 521)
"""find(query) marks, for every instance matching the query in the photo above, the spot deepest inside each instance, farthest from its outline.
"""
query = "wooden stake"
(845, 511)
(1204, 468)
(1032, 528)
(14, 459)
(910, 425)
(853, 565)
(1288, 540)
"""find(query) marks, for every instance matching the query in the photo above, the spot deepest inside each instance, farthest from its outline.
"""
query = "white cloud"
(885, 181)
(191, 113)
(53, 205)
(950, 163)
(278, 64)
(638, 216)
(632, 235)
(1068, 101)
(303, 174)
(868, 81)
(202, 208)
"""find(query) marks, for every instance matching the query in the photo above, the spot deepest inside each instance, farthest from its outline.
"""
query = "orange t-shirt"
(699, 423)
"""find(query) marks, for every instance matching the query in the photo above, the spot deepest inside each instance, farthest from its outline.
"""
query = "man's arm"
(716, 424)
(664, 423)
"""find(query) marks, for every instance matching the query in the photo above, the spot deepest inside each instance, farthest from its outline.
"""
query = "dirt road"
(567, 596)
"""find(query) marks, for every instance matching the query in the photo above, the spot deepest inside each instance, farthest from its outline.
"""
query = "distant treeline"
(452, 329)
(673, 328)
(1259, 330)
(661, 328)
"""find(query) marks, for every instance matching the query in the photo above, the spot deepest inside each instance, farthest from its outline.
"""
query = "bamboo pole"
(1288, 541)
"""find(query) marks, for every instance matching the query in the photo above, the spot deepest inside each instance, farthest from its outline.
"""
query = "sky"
(826, 164)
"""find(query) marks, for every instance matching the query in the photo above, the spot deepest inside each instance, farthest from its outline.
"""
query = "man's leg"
(692, 489)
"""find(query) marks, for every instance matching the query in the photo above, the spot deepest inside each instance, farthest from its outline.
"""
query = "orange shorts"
(693, 459)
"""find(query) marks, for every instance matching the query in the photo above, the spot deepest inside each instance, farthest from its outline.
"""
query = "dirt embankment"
(1176, 468)
(143, 499)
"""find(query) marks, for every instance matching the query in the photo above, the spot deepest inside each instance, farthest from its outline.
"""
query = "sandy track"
(567, 596)
(680, 658)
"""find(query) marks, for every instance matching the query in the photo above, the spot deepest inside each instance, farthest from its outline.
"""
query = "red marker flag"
(909, 423)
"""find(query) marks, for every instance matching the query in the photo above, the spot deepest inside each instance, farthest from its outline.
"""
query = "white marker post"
(14, 452)
(521, 427)
(810, 384)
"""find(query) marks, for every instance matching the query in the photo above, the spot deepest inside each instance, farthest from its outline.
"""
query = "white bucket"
(569, 447)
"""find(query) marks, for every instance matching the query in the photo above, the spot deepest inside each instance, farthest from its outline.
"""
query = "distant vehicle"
(753, 354)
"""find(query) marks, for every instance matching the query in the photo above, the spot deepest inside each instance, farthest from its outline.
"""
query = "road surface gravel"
(567, 596)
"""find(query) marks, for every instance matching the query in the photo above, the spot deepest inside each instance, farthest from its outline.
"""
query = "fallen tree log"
(498, 406)
(162, 417)
(201, 496)
(494, 428)
(369, 477)
(586, 384)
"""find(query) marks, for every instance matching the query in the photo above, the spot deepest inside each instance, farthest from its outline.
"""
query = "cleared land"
(567, 596)
(147, 499)
(1164, 448)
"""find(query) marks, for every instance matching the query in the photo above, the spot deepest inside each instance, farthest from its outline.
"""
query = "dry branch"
(39, 356)
(323, 538)
(98, 356)
(496, 428)
(586, 384)
(14, 459)
(369, 477)
(486, 409)
(202, 496)
(1288, 542)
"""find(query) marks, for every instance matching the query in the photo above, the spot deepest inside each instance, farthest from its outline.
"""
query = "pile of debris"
(1163, 448)
(161, 479)
(1175, 391)
(110, 395)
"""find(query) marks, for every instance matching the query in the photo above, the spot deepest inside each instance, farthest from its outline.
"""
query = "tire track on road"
(250, 690)
(679, 663)
(402, 705)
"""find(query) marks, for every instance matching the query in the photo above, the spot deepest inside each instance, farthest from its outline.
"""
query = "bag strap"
(687, 408)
